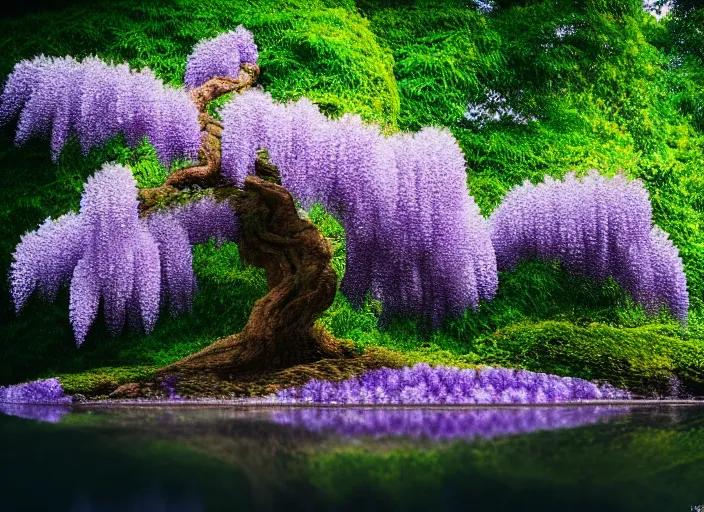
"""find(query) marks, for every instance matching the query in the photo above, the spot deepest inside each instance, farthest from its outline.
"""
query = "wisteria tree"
(415, 239)
(596, 227)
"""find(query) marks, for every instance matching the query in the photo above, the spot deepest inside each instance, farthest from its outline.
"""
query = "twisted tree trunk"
(281, 330)
(302, 282)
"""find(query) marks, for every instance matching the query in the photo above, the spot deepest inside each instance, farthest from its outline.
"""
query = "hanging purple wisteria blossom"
(486, 423)
(597, 227)
(47, 391)
(61, 96)
(207, 218)
(143, 306)
(178, 280)
(414, 236)
(108, 253)
(423, 384)
(109, 208)
(45, 258)
(221, 56)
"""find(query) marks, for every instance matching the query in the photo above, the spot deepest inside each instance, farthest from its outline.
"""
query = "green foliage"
(642, 358)
(629, 463)
(441, 57)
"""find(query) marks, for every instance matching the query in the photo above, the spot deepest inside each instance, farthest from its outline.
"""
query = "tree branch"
(219, 86)
(206, 173)
(281, 330)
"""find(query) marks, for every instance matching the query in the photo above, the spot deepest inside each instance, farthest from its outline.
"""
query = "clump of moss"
(103, 381)
(643, 359)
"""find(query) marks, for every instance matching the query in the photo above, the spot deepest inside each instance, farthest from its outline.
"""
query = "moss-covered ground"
(605, 95)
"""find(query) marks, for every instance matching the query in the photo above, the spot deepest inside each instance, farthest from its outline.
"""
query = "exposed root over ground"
(219, 376)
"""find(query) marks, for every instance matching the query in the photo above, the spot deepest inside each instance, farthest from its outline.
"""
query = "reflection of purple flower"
(48, 391)
(424, 384)
(39, 412)
(444, 424)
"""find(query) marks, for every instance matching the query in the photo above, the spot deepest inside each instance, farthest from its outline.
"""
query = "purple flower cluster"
(61, 96)
(107, 252)
(597, 227)
(414, 236)
(178, 283)
(45, 258)
(109, 210)
(175, 230)
(424, 384)
(169, 384)
(437, 424)
(220, 56)
(48, 391)
(207, 218)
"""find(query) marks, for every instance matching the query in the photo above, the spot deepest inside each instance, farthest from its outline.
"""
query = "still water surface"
(153, 459)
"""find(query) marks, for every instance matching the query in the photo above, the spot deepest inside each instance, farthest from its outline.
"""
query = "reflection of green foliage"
(613, 91)
(139, 466)
(648, 459)
(624, 467)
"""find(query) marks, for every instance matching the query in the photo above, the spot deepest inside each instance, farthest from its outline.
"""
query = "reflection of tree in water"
(272, 447)
(269, 459)
(158, 458)
(154, 501)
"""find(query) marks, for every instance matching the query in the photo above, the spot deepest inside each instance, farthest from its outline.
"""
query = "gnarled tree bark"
(302, 282)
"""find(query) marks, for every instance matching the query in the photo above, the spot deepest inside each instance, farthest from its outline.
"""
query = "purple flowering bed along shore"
(419, 385)
(425, 385)
(42, 400)
(445, 424)
(47, 391)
